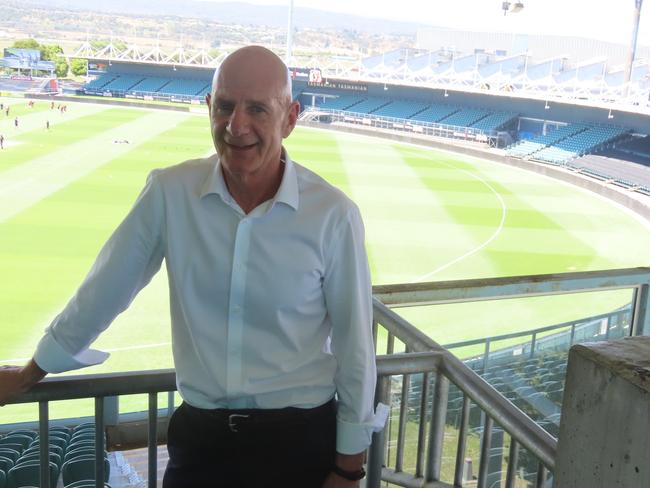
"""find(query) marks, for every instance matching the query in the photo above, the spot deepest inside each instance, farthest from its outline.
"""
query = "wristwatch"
(349, 475)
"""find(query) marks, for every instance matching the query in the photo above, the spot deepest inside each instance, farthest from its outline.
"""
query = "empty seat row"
(71, 456)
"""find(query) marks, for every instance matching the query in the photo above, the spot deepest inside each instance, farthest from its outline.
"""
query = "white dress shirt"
(268, 309)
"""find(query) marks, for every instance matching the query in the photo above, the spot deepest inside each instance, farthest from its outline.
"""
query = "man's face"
(249, 117)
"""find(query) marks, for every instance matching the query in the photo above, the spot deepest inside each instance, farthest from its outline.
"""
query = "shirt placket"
(236, 309)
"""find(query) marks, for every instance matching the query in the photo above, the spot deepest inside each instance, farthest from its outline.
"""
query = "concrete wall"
(604, 441)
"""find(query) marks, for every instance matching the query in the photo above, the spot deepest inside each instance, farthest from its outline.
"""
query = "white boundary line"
(486, 242)
(472, 175)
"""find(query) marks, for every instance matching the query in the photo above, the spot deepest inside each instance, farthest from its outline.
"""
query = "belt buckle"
(232, 421)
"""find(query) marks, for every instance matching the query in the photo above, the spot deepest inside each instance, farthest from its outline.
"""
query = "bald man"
(270, 301)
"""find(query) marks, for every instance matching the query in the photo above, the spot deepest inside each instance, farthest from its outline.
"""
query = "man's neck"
(251, 190)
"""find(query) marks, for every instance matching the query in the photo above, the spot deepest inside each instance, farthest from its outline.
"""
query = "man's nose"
(238, 123)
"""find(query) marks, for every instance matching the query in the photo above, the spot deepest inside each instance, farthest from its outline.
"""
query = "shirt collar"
(287, 192)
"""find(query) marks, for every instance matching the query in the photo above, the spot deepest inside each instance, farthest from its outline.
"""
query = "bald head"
(255, 63)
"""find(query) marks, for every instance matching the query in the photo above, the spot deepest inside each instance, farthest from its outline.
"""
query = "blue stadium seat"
(435, 113)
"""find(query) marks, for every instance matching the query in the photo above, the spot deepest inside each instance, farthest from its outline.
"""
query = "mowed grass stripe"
(46, 250)
(379, 179)
(31, 139)
(82, 122)
(18, 107)
(27, 183)
(530, 231)
(318, 150)
(591, 231)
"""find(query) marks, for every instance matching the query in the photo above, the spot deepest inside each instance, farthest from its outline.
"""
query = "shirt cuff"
(353, 438)
(52, 358)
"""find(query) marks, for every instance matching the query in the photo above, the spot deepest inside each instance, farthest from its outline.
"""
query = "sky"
(608, 20)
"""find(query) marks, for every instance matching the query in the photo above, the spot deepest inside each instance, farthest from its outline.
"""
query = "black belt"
(236, 419)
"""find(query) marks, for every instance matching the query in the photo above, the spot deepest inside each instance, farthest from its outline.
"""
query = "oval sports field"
(429, 216)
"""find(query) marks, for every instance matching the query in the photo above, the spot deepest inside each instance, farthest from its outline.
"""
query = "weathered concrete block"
(605, 429)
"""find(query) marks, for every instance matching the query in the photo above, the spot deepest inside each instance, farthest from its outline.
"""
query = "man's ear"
(292, 118)
(208, 98)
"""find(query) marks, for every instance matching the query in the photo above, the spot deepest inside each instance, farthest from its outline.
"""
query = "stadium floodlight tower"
(511, 7)
(287, 57)
(632, 52)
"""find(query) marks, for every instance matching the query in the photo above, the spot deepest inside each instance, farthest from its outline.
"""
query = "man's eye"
(257, 109)
(223, 108)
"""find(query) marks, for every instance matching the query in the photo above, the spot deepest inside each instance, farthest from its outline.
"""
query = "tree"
(26, 44)
(79, 67)
(118, 44)
(51, 53)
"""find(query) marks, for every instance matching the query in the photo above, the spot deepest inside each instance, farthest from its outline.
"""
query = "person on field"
(270, 301)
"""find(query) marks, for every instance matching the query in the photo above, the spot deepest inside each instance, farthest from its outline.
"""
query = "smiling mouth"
(240, 147)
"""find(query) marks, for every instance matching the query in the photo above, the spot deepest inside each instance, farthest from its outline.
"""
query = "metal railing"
(423, 355)
(418, 127)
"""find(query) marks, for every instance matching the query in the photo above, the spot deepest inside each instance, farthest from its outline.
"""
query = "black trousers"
(283, 448)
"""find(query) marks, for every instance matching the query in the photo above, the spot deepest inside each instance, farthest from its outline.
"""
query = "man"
(270, 301)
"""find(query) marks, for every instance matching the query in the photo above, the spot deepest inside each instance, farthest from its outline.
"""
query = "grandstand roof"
(591, 82)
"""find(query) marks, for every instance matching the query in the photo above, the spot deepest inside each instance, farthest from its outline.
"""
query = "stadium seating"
(342, 102)
(495, 121)
(100, 82)
(82, 468)
(464, 117)
(369, 105)
(401, 109)
(579, 144)
(151, 84)
(528, 147)
(123, 83)
(71, 454)
(185, 87)
(28, 474)
(435, 113)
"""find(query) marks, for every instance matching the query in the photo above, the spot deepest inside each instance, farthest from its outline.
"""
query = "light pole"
(287, 58)
(632, 52)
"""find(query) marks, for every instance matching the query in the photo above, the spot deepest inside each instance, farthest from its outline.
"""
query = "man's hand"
(347, 462)
(15, 380)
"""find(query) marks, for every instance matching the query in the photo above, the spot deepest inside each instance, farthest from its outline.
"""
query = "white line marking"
(456, 154)
(484, 244)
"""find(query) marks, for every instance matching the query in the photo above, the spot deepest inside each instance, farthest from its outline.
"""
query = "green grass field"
(429, 216)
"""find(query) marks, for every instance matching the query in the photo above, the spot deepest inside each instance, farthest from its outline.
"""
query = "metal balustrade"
(422, 355)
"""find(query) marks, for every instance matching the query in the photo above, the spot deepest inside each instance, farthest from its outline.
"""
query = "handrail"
(430, 293)
(99, 385)
(514, 421)
(539, 330)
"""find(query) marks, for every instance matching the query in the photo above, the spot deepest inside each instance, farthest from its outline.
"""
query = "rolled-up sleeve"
(348, 293)
(125, 264)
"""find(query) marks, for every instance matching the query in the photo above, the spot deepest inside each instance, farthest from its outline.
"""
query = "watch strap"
(349, 475)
